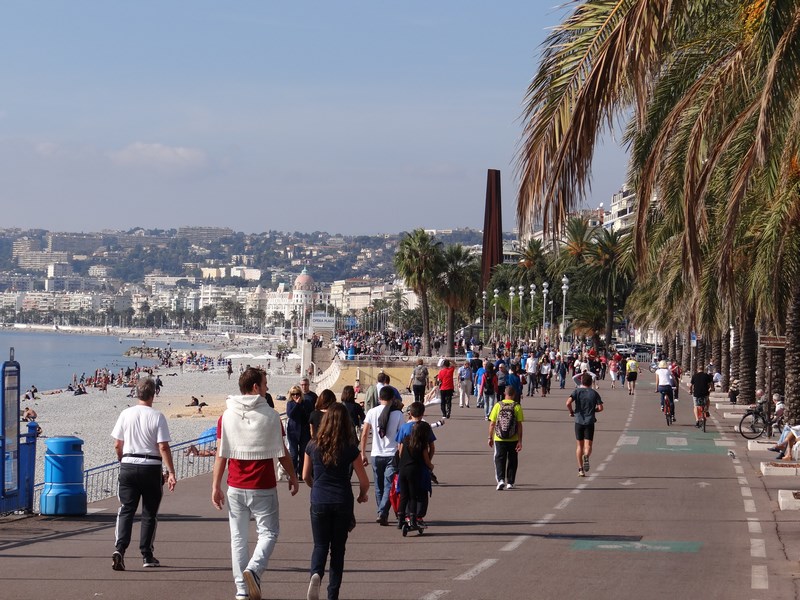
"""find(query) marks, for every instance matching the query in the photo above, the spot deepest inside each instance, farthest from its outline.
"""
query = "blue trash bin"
(63, 492)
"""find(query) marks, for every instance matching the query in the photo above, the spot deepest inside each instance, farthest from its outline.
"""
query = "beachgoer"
(330, 458)
(383, 421)
(506, 444)
(249, 438)
(142, 439)
(587, 402)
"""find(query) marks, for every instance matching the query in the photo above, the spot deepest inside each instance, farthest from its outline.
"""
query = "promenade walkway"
(665, 513)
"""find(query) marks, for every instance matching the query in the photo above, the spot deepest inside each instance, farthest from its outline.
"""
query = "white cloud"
(160, 157)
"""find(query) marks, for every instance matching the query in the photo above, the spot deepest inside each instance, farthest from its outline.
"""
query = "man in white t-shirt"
(384, 429)
(141, 442)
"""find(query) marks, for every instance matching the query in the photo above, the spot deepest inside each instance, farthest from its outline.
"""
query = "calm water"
(48, 360)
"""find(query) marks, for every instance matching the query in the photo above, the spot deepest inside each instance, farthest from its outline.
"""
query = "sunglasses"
(298, 395)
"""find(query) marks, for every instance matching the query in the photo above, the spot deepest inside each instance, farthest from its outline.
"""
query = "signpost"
(9, 420)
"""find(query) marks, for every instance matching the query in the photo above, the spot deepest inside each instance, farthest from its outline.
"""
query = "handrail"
(102, 482)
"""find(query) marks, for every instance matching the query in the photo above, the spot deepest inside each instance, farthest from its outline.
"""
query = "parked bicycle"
(756, 422)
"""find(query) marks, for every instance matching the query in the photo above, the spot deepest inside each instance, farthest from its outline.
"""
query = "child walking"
(416, 446)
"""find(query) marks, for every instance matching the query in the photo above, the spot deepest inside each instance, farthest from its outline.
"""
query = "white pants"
(262, 505)
(464, 392)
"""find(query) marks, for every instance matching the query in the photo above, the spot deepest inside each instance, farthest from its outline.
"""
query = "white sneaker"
(510, 486)
(501, 486)
(313, 587)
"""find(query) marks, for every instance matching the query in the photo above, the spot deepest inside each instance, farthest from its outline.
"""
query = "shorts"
(584, 432)
(632, 376)
(701, 401)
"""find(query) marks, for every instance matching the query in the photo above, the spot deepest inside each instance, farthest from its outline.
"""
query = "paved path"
(664, 513)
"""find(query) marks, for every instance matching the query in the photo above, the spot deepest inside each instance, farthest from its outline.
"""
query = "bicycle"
(666, 408)
(701, 423)
(756, 421)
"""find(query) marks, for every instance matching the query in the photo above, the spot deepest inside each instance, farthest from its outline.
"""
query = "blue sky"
(352, 117)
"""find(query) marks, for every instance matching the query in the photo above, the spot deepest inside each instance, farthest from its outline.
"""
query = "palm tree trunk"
(678, 349)
(792, 360)
(736, 344)
(761, 363)
(686, 364)
(778, 371)
(716, 350)
(609, 318)
(748, 355)
(451, 325)
(426, 322)
(725, 359)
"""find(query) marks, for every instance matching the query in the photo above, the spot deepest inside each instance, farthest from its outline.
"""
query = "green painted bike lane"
(675, 440)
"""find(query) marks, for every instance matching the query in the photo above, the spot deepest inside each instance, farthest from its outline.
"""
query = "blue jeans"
(263, 506)
(488, 402)
(666, 390)
(329, 525)
(383, 471)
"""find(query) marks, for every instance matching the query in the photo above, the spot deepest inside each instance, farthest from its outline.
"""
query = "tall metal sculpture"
(492, 228)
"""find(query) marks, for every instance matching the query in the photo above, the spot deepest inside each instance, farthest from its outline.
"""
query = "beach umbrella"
(209, 435)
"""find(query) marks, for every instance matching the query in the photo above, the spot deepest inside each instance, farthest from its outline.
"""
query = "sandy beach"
(91, 417)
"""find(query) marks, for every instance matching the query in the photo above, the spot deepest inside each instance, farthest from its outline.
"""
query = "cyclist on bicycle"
(664, 386)
(700, 387)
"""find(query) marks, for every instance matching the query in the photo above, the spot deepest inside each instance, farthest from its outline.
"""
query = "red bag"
(394, 493)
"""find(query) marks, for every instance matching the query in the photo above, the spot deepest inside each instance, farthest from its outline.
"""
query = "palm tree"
(456, 285)
(607, 270)
(712, 91)
(417, 260)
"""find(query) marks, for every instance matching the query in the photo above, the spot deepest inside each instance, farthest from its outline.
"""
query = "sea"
(49, 359)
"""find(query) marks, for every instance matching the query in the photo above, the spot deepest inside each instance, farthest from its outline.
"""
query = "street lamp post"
(483, 317)
(511, 315)
(551, 315)
(564, 289)
(521, 294)
(545, 285)
(533, 293)
(494, 321)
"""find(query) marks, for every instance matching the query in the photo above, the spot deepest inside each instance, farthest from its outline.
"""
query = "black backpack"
(488, 384)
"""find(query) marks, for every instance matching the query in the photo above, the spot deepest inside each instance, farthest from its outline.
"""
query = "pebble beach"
(91, 417)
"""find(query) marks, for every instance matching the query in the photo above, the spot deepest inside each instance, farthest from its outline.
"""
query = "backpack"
(505, 426)
(488, 385)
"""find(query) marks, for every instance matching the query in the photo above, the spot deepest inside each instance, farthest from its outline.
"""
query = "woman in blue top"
(330, 458)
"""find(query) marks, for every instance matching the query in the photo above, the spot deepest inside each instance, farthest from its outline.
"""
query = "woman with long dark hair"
(329, 460)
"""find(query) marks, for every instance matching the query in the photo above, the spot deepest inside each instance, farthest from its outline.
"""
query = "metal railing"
(190, 459)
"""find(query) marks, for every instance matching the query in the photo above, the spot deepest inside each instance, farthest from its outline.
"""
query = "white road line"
(724, 443)
(581, 486)
(753, 525)
(435, 595)
(576, 491)
(758, 578)
(477, 569)
(514, 544)
(747, 492)
(739, 470)
(742, 480)
(544, 520)
(563, 504)
(601, 467)
(614, 449)
(750, 506)
(757, 548)
(92, 511)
